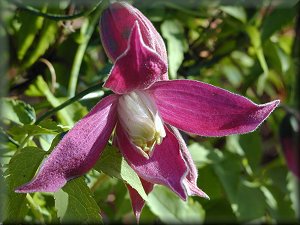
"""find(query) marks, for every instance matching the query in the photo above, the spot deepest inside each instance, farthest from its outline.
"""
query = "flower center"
(139, 116)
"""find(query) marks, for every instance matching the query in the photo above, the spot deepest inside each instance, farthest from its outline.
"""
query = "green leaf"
(21, 169)
(3, 195)
(255, 38)
(250, 202)
(252, 146)
(173, 32)
(228, 171)
(202, 155)
(275, 21)
(17, 111)
(293, 190)
(47, 36)
(171, 209)
(27, 32)
(34, 130)
(75, 203)
(40, 88)
(113, 164)
(236, 12)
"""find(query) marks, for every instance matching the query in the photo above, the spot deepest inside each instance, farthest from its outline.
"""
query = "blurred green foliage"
(51, 52)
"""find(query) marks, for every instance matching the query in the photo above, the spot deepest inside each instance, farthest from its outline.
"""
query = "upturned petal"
(137, 201)
(207, 110)
(79, 149)
(166, 165)
(137, 68)
(190, 181)
(116, 24)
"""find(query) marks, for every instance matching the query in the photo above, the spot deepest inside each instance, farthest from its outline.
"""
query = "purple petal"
(137, 201)
(190, 180)
(166, 165)
(137, 68)
(289, 138)
(79, 149)
(116, 24)
(207, 110)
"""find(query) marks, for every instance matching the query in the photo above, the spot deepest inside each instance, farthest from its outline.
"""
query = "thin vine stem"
(51, 16)
(70, 101)
(87, 31)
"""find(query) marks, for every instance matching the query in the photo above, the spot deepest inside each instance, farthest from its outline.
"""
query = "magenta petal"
(166, 165)
(137, 201)
(190, 180)
(207, 110)
(116, 24)
(137, 68)
(79, 149)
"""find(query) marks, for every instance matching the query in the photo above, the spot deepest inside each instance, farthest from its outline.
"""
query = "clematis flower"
(144, 113)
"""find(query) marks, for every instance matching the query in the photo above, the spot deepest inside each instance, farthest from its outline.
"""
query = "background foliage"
(52, 66)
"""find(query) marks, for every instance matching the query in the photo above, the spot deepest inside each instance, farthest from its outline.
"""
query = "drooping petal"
(137, 201)
(137, 68)
(79, 149)
(115, 27)
(207, 110)
(289, 131)
(166, 165)
(190, 181)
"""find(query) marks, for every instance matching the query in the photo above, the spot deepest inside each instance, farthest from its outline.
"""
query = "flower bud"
(138, 115)
(116, 24)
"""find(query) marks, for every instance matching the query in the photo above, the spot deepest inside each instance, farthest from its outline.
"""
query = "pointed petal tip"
(42, 184)
(138, 67)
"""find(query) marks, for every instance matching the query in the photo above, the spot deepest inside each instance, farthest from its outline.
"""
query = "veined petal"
(79, 149)
(116, 24)
(137, 201)
(207, 110)
(190, 181)
(137, 68)
(166, 165)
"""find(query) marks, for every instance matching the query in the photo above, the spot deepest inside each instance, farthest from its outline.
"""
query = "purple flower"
(144, 114)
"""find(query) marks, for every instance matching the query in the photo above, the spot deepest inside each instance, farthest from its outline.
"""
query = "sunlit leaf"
(170, 209)
(172, 31)
(17, 111)
(75, 203)
(113, 164)
(236, 12)
(21, 169)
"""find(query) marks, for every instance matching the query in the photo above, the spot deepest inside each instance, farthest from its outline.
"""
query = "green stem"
(86, 32)
(70, 101)
(52, 16)
(36, 210)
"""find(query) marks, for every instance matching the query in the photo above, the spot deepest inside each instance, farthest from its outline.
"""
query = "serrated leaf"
(113, 164)
(17, 111)
(173, 32)
(75, 203)
(21, 169)
(171, 209)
